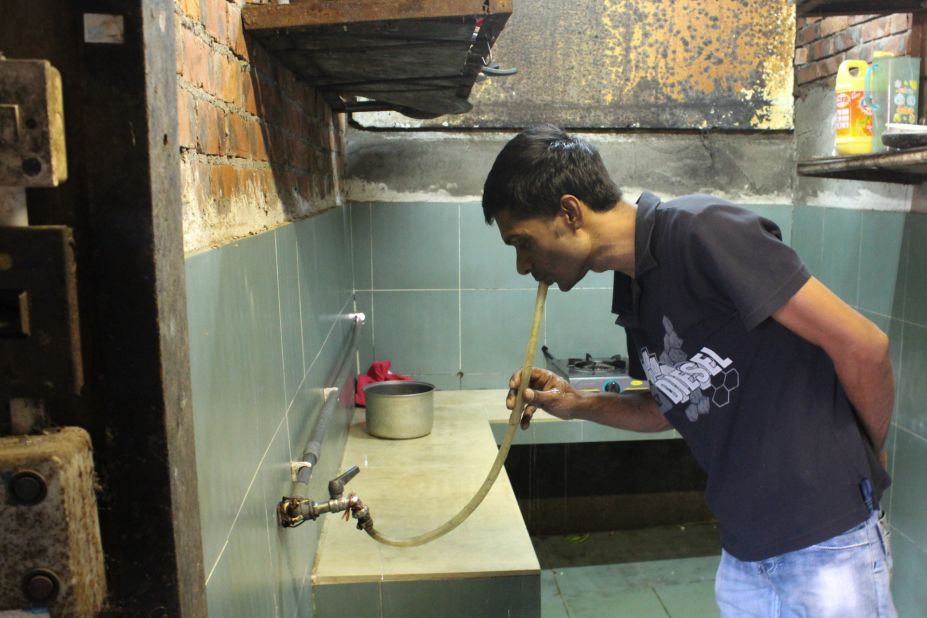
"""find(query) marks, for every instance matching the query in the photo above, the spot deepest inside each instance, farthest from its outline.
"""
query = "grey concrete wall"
(452, 166)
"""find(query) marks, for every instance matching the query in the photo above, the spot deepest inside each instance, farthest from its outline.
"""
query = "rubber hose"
(514, 419)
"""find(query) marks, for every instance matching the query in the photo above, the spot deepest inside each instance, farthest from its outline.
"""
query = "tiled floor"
(665, 572)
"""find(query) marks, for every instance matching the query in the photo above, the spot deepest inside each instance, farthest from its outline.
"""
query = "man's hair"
(537, 167)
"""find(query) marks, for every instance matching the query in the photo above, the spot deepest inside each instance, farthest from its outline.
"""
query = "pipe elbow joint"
(364, 520)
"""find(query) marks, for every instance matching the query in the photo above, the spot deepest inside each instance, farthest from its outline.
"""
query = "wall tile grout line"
(219, 556)
(286, 404)
(859, 260)
(909, 539)
(893, 454)
(821, 248)
(460, 367)
(526, 289)
(305, 580)
(373, 331)
(896, 530)
(302, 347)
(350, 208)
(907, 273)
(859, 252)
(353, 291)
(893, 318)
(566, 607)
(906, 250)
(269, 524)
(913, 433)
(299, 297)
(319, 353)
(243, 501)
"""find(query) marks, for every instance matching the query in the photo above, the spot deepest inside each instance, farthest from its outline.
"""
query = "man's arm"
(634, 411)
(858, 349)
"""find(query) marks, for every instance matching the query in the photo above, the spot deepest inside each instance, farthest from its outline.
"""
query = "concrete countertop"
(413, 486)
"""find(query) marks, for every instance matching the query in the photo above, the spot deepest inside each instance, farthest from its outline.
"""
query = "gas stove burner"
(592, 365)
(594, 374)
(589, 366)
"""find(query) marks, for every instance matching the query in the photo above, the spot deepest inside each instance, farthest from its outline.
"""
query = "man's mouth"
(547, 280)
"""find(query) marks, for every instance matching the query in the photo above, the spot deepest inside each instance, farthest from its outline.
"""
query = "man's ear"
(571, 209)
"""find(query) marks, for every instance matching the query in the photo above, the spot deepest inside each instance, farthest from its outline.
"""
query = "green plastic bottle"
(877, 96)
(892, 85)
(903, 83)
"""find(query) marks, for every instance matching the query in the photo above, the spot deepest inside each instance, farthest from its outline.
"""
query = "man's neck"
(613, 239)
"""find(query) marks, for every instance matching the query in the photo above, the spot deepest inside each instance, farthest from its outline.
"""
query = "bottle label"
(904, 101)
(854, 117)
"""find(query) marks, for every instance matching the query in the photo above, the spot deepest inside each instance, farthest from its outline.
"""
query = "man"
(782, 391)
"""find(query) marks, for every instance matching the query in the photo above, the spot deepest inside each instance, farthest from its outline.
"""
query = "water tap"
(295, 510)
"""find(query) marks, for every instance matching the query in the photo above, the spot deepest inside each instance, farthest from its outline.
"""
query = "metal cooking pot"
(398, 409)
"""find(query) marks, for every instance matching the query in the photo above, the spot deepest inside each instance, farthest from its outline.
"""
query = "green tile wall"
(497, 328)
(445, 303)
(840, 256)
(877, 262)
(264, 337)
(807, 226)
(915, 305)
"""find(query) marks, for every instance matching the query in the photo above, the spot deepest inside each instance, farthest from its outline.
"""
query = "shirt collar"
(626, 291)
(644, 260)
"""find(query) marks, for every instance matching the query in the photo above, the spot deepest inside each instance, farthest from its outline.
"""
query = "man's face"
(549, 250)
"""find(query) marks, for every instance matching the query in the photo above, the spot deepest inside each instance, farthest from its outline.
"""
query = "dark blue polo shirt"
(761, 408)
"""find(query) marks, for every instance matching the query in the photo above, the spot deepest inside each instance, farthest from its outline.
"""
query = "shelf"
(420, 58)
(903, 166)
(898, 166)
(807, 8)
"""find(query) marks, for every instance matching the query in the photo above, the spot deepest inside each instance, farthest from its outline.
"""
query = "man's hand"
(546, 390)
(634, 411)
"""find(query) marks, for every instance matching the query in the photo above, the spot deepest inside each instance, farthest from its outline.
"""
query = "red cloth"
(378, 372)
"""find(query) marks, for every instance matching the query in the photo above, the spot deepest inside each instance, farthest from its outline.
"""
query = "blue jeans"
(846, 577)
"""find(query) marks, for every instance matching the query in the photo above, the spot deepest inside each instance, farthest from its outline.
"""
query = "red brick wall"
(257, 147)
(821, 44)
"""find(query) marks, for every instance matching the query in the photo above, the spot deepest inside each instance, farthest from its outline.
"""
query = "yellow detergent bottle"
(854, 118)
